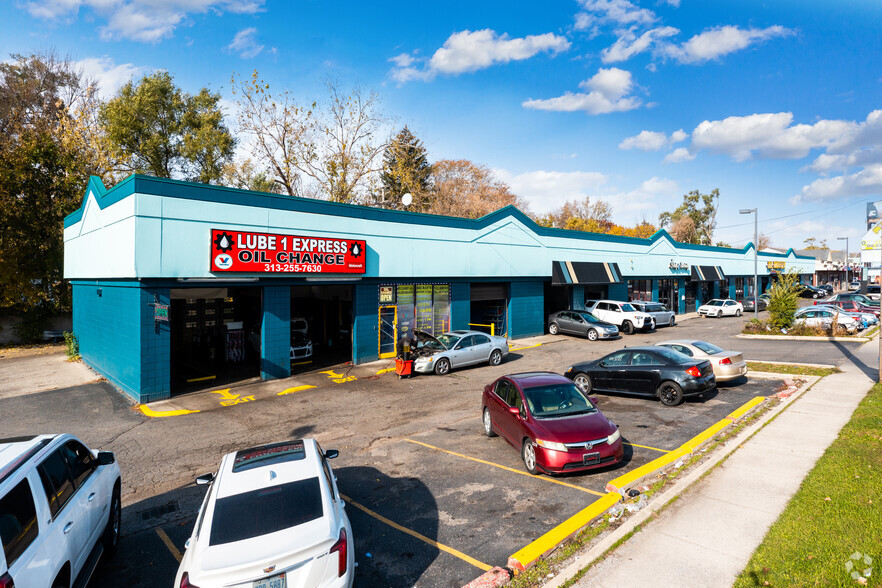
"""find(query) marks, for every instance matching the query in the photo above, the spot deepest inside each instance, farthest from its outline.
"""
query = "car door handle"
(67, 528)
(91, 497)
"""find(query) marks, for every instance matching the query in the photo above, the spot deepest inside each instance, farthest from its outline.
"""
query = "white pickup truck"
(621, 314)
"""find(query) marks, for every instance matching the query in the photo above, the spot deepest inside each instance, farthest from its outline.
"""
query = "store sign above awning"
(237, 251)
(707, 273)
(776, 265)
(584, 272)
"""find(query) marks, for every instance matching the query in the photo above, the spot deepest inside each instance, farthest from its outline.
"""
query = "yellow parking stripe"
(502, 467)
(295, 389)
(527, 347)
(478, 564)
(168, 543)
(165, 413)
(646, 447)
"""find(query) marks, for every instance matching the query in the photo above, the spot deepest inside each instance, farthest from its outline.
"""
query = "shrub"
(72, 346)
(783, 300)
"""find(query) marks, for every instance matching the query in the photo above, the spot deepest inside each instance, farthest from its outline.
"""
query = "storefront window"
(667, 294)
(640, 290)
(422, 307)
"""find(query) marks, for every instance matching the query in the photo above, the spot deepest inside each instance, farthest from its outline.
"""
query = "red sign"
(235, 251)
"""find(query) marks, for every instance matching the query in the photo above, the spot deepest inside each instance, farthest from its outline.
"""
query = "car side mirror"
(204, 479)
(106, 458)
(514, 410)
(331, 453)
(602, 364)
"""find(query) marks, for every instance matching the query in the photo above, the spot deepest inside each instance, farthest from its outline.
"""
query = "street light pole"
(755, 248)
(846, 260)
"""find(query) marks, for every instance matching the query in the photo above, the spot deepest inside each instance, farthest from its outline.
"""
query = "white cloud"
(863, 134)
(825, 163)
(720, 41)
(629, 44)
(608, 92)
(867, 182)
(147, 21)
(652, 140)
(679, 155)
(674, 3)
(469, 51)
(245, 44)
(109, 76)
(619, 12)
(547, 190)
(767, 135)
(642, 199)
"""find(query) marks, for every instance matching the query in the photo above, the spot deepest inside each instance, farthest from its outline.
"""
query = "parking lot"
(433, 502)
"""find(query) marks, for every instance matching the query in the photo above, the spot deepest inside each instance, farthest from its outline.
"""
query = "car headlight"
(424, 359)
(569, 369)
(614, 437)
(551, 445)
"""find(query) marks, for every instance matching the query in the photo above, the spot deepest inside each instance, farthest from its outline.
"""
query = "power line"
(824, 213)
(795, 214)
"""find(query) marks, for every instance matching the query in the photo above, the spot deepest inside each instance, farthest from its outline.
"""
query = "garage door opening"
(210, 337)
(321, 326)
(488, 308)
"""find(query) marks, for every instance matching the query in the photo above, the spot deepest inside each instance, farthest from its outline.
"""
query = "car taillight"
(6, 581)
(725, 361)
(185, 581)
(340, 547)
(694, 372)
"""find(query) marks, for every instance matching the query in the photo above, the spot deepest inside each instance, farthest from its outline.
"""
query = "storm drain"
(158, 511)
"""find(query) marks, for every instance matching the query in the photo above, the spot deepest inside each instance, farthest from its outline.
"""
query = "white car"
(721, 307)
(272, 518)
(622, 314)
(824, 317)
(59, 510)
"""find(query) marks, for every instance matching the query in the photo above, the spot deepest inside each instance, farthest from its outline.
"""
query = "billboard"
(238, 251)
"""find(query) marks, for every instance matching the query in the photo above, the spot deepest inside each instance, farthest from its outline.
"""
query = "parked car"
(727, 365)
(827, 287)
(301, 344)
(556, 426)
(720, 307)
(873, 291)
(854, 286)
(59, 510)
(809, 291)
(456, 349)
(658, 311)
(761, 304)
(622, 314)
(864, 319)
(824, 317)
(866, 301)
(645, 371)
(852, 306)
(576, 322)
(272, 518)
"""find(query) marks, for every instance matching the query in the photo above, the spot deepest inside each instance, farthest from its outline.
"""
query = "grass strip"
(836, 514)
(796, 370)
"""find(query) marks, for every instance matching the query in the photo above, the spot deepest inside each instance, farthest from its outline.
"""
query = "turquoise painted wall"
(526, 309)
(275, 333)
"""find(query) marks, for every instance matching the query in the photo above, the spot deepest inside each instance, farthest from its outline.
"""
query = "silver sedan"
(456, 349)
(728, 365)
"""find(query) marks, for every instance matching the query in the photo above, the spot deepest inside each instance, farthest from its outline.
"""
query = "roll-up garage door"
(491, 291)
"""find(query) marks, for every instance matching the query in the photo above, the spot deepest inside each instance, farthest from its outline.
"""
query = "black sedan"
(645, 371)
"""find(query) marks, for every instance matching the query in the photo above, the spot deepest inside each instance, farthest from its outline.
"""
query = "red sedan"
(556, 427)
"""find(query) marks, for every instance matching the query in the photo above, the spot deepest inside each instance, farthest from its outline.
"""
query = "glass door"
(388, 330)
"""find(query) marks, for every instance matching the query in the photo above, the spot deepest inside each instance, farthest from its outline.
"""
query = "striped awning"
(584, 272)
(707, 273)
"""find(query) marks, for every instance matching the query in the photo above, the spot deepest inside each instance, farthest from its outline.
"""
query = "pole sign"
(237, 251)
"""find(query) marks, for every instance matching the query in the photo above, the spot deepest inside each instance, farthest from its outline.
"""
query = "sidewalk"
(708, 535)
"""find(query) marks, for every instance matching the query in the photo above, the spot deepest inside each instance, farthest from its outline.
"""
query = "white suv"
(59, 511)
(621, 314)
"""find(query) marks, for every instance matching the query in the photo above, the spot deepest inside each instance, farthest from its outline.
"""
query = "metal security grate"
(156, 512)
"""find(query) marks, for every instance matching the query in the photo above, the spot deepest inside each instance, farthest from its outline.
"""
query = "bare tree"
(466, 189)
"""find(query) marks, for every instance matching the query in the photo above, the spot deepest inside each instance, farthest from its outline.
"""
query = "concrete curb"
(794, 363)
(659, 502)
(806, 338)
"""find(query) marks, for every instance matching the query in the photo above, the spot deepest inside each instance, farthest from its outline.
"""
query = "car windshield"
(715, 303)
(267, 510)
(628, 308)
(448, 340)
(589, 317)
(557, 400)
(708, 348)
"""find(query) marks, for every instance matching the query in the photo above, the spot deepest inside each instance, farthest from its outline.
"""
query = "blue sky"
(774, 103)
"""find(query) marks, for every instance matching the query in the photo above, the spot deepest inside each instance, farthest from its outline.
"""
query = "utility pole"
(755, 248)
(846, 260)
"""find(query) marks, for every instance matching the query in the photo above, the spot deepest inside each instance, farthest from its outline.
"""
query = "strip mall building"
(175, 283)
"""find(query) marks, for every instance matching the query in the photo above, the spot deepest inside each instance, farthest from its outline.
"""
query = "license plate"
(277, 581)
(591, 458)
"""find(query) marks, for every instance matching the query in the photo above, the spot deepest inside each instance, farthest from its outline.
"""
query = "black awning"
(707, 273)
(565, 273)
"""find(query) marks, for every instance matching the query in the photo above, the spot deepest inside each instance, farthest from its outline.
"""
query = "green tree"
(406, 170)
(695, 219)
(812, 243)
(156, 128)
(245, 176)
(42, 179)
(784, 299)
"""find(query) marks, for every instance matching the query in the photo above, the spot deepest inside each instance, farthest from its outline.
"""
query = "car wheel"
(552, 329)
(671, 324)
(528, 454)
(628, 328)
(488, 424)
(442, 366)
(110, 538)
(495, 357)
(670, 394)
(738, 312)
(583, 381)
(592, 335)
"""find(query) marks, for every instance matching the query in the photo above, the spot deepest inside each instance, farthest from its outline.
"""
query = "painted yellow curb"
(696, 441)
(527, 347)
(747, 407)
(619, 484)
(554, 537)
(166, 413)
(294, 389)
(385, 371)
